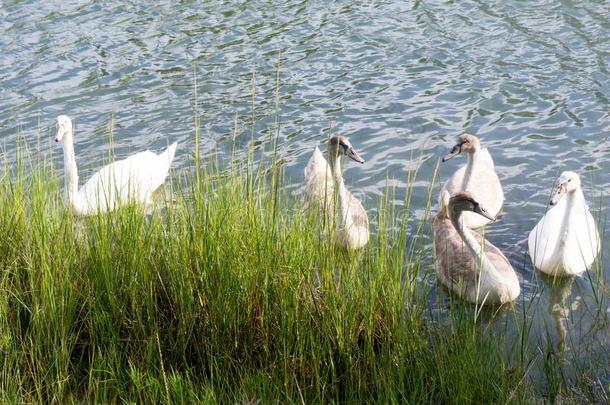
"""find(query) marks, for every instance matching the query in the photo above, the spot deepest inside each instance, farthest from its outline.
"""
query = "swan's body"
(127, 181)
(322, 181)
(565, 241)
(467, 263)
(478, 177)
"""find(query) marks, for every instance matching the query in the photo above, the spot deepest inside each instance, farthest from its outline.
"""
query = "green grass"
(227, 292)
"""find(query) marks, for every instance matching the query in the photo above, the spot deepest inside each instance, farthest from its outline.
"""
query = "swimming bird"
(131, 180)
(467, 263)
(565, 241)
(324, 185)
(478, 176)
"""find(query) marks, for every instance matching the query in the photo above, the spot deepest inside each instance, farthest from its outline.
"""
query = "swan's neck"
(70, 169)
(343, 194)
(473, 158)
(483, 265)
(467, 236)
(335, 163)
(575, 200)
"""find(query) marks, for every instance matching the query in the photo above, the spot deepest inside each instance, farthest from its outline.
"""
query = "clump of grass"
(226, 292)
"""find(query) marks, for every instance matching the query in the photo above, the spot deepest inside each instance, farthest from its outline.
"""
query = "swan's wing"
(454, 184)
(543, 239)
(485, 156)
(318, 170)
(486, 188)
(357, 211)
(318, 179)
(130, 179)
(354, 233)
(582, 244)
(593, 238)
(156, 172)
(497, 258)
(119, 180)
(485, 184)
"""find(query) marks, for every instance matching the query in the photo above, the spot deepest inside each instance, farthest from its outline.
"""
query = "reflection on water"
(560, 307)
(401, 79)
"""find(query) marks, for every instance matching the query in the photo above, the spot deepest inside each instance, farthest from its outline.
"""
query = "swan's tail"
(168, 155)
(443, 209)
(159, 170)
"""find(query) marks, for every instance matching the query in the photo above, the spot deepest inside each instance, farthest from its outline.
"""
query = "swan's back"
(132, 179)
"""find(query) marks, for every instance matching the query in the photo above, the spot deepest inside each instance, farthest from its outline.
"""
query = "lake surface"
(401, 79)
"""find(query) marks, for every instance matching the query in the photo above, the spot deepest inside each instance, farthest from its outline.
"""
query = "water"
(401, 79)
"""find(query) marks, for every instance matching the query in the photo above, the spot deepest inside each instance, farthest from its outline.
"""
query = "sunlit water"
(401, 79)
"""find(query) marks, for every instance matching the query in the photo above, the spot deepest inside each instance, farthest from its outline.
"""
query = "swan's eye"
(569, 180)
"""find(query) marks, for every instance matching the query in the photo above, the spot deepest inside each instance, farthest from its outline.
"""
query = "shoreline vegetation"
(228, 292)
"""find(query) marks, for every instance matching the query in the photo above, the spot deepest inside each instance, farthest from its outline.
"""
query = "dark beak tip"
(450, 155)
(355, 157)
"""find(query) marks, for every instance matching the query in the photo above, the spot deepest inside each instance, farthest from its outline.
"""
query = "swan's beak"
(561, 191)
(351, 153)
(457, 149)
(482, 211)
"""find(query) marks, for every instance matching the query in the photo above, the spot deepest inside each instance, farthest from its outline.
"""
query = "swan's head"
(64, 127)
(566, 183)
(464, 201)
(340, 145)
(465, 143)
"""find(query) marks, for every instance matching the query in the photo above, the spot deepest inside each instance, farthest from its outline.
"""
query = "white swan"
(323, 180)
(131, 180)
(478, 176)
(565, 241)
(467, 263)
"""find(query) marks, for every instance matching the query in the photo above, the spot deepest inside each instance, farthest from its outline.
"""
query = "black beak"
(482, 211)
(351, 153)
(457, 149)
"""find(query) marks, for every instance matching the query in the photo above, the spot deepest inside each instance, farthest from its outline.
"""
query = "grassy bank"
(227, 292)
